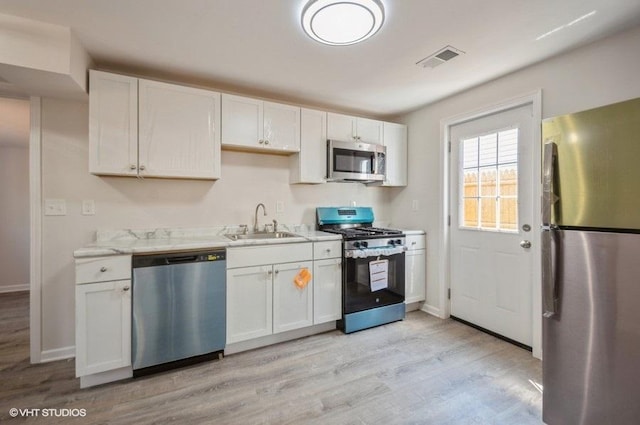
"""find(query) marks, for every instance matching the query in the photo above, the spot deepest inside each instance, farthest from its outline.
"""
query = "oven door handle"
(373, 253)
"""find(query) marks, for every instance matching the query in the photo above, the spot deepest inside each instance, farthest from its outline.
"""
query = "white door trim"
(35, 206)
(535, 99)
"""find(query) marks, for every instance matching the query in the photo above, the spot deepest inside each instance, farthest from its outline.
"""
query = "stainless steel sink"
(261, 235)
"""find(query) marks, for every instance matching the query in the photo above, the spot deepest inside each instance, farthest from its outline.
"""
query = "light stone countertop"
(148, 241)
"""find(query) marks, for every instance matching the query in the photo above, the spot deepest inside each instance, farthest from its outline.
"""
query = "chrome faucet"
(255, 221)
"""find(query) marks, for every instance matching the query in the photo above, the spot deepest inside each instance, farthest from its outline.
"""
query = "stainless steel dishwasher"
(179, 309)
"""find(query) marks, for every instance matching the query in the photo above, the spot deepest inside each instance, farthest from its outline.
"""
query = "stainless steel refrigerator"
(591, 266)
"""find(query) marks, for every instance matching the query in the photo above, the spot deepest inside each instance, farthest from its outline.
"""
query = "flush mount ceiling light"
(340, 23)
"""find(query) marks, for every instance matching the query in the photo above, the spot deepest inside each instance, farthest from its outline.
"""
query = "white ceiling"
(14, 122)
(258, 46)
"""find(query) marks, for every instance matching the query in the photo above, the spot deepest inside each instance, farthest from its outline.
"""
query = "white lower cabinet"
(103, 326)
(262, 298)
(415, 269)
(249, 303)
(292, 305)
(327, 290)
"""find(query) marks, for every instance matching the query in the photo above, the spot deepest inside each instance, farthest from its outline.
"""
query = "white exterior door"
(491, 222)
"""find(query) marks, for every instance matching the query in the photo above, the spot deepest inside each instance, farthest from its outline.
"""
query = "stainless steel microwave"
(355, 161)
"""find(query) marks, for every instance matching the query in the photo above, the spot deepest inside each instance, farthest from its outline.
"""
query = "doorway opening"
(14, 195)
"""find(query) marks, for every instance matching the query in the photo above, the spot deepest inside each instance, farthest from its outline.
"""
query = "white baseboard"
(434, 311)
(14, 288)
(58, 354)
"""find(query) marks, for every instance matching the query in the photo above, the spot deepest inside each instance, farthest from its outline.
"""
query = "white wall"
(598, 74)
(14, 218)
(125, 202)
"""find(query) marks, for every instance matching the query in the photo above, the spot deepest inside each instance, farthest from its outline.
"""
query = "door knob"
(525, 244)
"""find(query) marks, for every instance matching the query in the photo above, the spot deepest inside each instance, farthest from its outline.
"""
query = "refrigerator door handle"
(549, 232)
(550, 157)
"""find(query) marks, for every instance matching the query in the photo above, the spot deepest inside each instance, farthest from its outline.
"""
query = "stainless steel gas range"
(372, 267)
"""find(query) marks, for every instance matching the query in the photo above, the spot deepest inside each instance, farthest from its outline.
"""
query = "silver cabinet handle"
(266, 142)
(328, 250)
(103, 269)
(125, 289)
(132, 167)
(277, 271)
(413, 243)
(142, 168)
(261, 141)
(270, 272)
(525, 244)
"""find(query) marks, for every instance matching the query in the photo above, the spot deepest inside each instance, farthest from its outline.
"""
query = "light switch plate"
(55, 207)
(414, 205)
(279, 206)
(88, 207)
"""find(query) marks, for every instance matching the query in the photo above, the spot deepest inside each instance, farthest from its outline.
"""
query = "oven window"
(352, 161)
(358, 295)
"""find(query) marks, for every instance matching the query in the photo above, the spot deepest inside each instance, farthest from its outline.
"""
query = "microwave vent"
(441, 56)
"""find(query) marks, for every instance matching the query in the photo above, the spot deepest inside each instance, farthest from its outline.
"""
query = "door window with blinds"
(489, 182)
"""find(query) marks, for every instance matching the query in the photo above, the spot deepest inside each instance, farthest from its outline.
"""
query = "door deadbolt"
(526, 227)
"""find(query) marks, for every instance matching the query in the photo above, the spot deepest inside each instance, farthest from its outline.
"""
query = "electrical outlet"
(279, 206)
(414, 205)
(55, 207)
(88, 207)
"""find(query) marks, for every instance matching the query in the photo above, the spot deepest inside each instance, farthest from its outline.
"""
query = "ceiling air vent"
(439, 57)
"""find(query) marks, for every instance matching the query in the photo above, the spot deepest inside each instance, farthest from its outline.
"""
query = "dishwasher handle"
(182, 259)
(169, 259)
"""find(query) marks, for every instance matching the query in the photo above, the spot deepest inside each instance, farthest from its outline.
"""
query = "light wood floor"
(422, 370)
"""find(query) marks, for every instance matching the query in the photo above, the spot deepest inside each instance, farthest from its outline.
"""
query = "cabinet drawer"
(330, 249)
(103, 269)
(268, 254)
(416, 242)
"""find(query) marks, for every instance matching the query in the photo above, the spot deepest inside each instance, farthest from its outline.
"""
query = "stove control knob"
(391, 242)
(356, 244)
(365, 244)
(398, 242)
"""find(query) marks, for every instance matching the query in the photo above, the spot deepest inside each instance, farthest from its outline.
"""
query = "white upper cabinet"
(310, 165)
(113, 124)
(241, 121)
(178, 131)
(395, 140)
(346, 128)
(369, 131)
(252, 124)
(150, 129)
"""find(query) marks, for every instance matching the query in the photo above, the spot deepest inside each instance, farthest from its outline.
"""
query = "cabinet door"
(310, 165)
(113, 124)
(415, 275)
(179, 131)
(395, 140)
(249, 303)
(292, 306)
(281, 127)
(369, 131)
(341, 127)
(327, 290)
(103, 326)
(241, 121)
